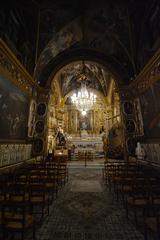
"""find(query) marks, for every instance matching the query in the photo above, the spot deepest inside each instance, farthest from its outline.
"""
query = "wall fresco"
(98, 77)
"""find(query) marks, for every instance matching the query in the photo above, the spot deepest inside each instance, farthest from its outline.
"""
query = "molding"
(149, 74)
(17, 164)
(12, 69)
(13, 141)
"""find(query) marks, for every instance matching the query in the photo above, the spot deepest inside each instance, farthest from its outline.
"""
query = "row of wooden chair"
(26, 196)
(138, 191)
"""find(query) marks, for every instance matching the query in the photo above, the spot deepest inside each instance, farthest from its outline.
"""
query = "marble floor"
(97, 163)
(86, 210)
(86, 186)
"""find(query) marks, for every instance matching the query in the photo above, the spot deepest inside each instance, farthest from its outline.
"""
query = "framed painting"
(150, 106)
(14, 109)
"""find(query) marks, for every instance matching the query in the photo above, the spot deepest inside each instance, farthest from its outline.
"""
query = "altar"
(88, 143)
(84, 134)
(81, 143)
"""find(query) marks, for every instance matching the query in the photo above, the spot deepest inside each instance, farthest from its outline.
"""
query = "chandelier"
(84, 99)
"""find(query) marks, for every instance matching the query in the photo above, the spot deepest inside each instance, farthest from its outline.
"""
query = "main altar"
(85, 143)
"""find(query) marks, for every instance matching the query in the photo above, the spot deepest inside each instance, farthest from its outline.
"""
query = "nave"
(79, 90)
(86, 209)
(55, 200)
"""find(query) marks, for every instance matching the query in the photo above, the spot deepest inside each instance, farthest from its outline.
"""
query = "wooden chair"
(109, 174)
(3, 194)
(62, 173)
(17, 192)
(39, 198)
(89, 156)
(35, 176)
(124, 188)
(21, 178)
(3, 191)
(51, 184)
(138, 199)
(81, 156)
(152, 220)
(16, 219)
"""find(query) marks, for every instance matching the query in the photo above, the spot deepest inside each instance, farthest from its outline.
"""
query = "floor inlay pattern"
(82, 215)
(86, 186)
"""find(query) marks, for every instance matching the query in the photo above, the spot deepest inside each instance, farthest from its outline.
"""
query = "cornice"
(149, 74)
(12, 69)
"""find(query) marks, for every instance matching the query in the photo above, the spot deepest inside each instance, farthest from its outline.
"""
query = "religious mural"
(110, 28)
(62, 40)
(97, 77)
(14, 109)
(150, 106)
(126, 31)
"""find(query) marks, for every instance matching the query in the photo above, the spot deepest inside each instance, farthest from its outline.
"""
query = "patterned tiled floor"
(86, 186)
(92, 215)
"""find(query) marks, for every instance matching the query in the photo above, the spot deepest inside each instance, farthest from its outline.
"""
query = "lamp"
(84, 99)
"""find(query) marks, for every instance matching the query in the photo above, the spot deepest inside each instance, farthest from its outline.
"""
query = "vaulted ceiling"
(96, 77)
(46, 35)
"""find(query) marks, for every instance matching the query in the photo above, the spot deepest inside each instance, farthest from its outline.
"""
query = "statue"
(60, 138)
(140, 152)
(84, 126)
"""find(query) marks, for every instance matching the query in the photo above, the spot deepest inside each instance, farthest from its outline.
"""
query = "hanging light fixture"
(84, 99)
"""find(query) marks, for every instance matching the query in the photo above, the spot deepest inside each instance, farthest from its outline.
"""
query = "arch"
(62, 40)
(69, 56)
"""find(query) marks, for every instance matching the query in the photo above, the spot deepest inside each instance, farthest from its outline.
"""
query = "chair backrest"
(36, 176)
(37, 190)
(17, 190)
(59, 159)
(14, 215)
(3, 192)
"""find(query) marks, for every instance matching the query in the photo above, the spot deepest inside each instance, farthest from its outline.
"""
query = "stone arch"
(67, 57)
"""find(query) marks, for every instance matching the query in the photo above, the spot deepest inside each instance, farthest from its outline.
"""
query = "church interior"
(80, 120)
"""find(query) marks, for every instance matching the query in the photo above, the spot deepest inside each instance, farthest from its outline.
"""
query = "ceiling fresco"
(116, 29)
(127, 33)
(97, 77)
(62, 40)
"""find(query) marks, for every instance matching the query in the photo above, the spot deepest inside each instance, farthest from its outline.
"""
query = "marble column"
(76, 121)
(70, 121)
(108, 124)
(91, 120)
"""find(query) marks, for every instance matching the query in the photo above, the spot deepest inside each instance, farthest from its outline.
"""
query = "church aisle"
(85, 210)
